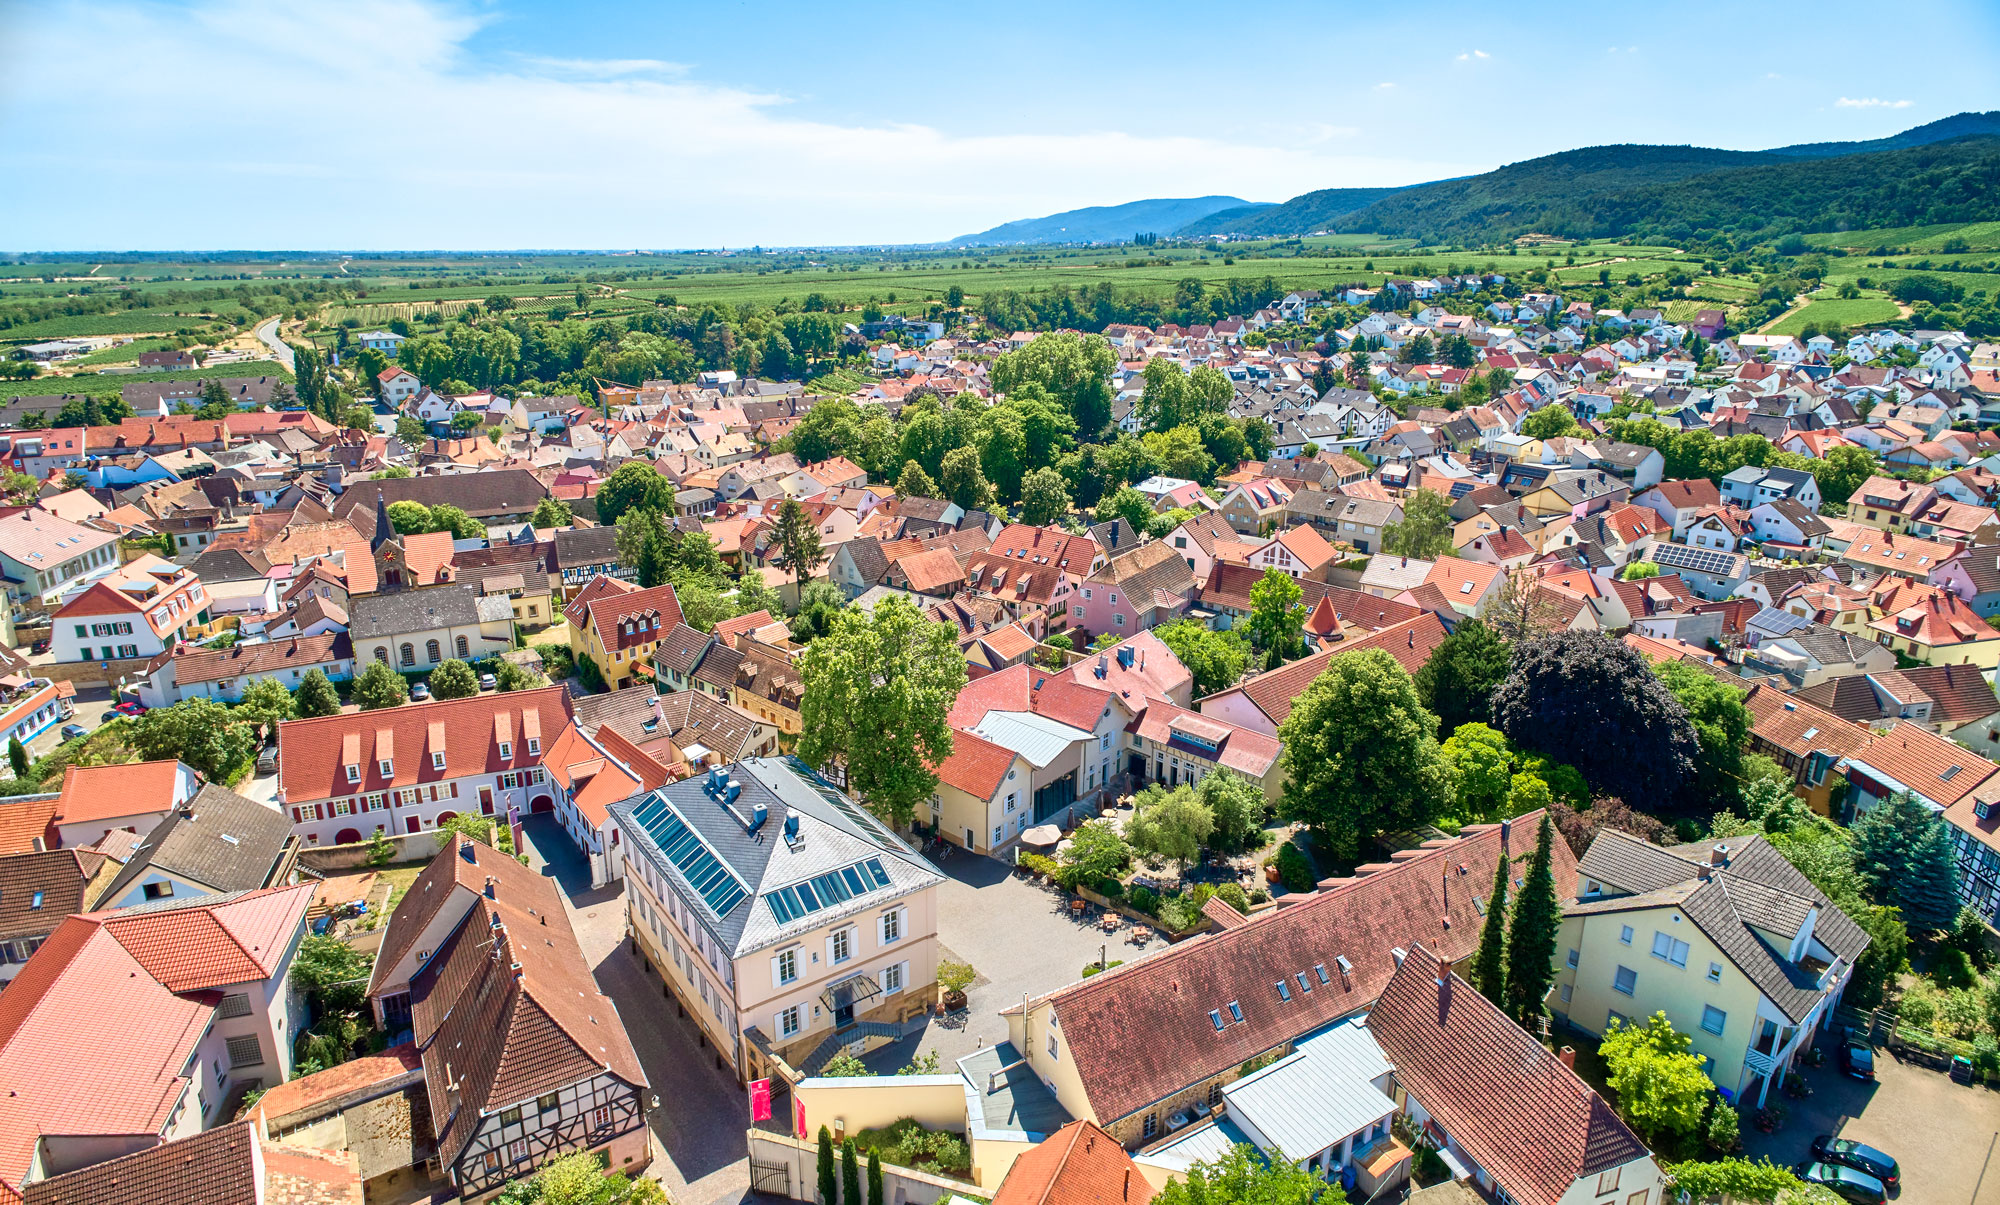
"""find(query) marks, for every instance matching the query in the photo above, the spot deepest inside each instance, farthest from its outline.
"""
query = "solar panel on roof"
(705, 872)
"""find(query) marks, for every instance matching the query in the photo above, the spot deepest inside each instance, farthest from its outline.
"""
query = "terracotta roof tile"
(1480, 1075)
(313, 756)
(107, 792)
(1079, 1164)
(1145, 1033)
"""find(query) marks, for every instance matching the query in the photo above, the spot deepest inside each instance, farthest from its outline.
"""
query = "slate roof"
(482, 495)
(386, 616)
(1757, 889)
(220, 840)
(581, 546)
(1480, 1075)
(837, 833)
(1145, 1033)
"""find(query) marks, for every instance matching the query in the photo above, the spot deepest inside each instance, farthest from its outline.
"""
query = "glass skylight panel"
(707, 874)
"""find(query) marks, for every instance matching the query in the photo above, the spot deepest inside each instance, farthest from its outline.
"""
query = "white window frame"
(890, 925)
(789, 1023)
(840, 946)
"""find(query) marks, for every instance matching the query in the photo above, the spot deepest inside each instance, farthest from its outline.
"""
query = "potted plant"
(953, 978)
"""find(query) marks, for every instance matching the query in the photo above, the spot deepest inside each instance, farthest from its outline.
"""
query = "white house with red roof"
(43, 556)
(132, 1028)
(404, 769)
(397, 385)
(140, 610)
(134, 796)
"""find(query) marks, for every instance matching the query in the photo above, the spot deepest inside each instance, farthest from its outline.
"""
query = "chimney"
(1568, 1056)
(1719, 856)
(491, 882)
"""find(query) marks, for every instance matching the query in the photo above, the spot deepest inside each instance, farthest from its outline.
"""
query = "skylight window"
(1319, 968)
(1215, 1017)
(1284, 992)
(1236, 1012)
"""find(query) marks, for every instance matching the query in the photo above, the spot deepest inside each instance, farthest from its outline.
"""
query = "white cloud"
(1870, 102)
(1385, 84)
(1473, 54)
(369, 123)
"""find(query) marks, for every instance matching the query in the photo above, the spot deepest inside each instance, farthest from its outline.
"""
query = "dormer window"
(506, 751)
(437, 760)
(534, 746)
(387, 766)
(354, 773)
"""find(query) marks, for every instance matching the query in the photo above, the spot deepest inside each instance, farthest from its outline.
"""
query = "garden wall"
(783, 1165)
(873, 1102)
(410, 847)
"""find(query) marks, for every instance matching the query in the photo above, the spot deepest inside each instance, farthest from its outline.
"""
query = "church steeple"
(384, 533)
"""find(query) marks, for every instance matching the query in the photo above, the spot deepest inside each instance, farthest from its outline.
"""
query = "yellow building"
(618, 625)
(1729, 941)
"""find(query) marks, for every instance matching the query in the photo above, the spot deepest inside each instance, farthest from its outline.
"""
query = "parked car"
(129, 707)
(72, 732)
(1857, 1057)
(40, 646)
(1849, 1153)
(488, 681)
(1846, 1182)
(267, 761)
(421, 692)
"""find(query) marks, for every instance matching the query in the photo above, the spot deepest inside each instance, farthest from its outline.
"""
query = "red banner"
(760, 1100)
(799, 1114)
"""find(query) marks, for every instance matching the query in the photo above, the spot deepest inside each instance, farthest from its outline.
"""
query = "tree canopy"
(1361, 754)
(1457, 681)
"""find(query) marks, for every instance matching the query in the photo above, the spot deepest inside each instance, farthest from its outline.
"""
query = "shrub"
(1180, 913)
(1233, 895)
(1724, 1129)
(1039, 865)
(955, 976)
(1144, 899)
(1294, 868)
(1259, 896)
(1110, 888)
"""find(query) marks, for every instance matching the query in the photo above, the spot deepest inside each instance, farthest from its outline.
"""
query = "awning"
(850, 992)
(1042, 834)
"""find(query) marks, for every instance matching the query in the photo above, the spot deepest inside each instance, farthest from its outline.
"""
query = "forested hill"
(1107, 223)
(1453, 209)
(1958, 125)
(1675, 192)
(1313, 211)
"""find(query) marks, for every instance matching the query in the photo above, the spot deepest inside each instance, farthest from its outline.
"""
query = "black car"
(1846, 1182)
(1828, 1149)
(1857, 1057)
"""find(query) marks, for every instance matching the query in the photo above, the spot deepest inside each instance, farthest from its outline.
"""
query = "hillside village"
(1320, 738)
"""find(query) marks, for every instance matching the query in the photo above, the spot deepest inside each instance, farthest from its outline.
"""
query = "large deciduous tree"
(877, 690)
(1216, 659)
(1277, 620)
(317, 696)
(1044, 498)
(1073, 369)
(636, 483)
(200, 732)
(1721, 728)
(1458, 680)
(1361, 754)
(1596, 704)
(378, 686)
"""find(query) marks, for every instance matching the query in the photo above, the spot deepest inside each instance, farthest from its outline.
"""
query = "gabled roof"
(313, 753)
(506, 1009)
(1410, 642)
(1144, 1033)
(220, 840)
(1757, 889)
(1522, 1115)
(38, 889)
(109, 792)
(266, 657)
(1079, 1164)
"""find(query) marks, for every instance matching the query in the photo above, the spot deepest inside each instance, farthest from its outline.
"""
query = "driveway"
(699, 1151)
(91, 704)
(1944, 1134)
(1021, 940)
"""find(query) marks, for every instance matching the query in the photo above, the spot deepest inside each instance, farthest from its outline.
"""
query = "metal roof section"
(1322, 1092)
(1036, 737)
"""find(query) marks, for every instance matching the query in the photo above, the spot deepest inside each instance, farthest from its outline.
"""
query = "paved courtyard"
(1022, 941)
(1943, 1134)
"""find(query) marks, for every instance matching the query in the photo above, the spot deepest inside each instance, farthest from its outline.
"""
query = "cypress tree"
(828, 1190)
(1531, 936)
(1489, 966)
(17, 756)
(850, 1174)
(874, 1178)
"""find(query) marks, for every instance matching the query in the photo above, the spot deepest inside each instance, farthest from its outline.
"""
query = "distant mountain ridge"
(1958, 125)
(1309, 212)
(1108, 223)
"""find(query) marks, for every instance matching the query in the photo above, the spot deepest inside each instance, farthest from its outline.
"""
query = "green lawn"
(1837, 314)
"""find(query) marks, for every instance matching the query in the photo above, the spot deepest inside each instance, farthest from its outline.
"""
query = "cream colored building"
(1729, 940)
(787, 921)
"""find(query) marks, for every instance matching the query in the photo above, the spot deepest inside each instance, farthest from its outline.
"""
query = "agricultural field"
(1836, 314)
(111, 383)
(119, 353)
(1978, 236)
(123, 322)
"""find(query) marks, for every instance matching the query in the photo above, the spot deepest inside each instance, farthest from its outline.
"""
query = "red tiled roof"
(1942, 771)
(108, 792)
(1410, 643)
(1144, 1033)
(976, 766)
(1079, 1164)
(1030, 688)
(1481, 1077)
(215, 1167)
(312, 752)
(282, 1100)
(24, 821)
(1240, 749)
(659, 607)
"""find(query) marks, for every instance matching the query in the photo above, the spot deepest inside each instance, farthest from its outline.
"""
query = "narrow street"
(702, 1112)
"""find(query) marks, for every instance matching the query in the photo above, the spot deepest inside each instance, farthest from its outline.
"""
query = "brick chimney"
(1568, 1056)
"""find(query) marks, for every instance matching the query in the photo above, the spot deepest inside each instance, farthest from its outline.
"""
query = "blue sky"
(463, 124)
